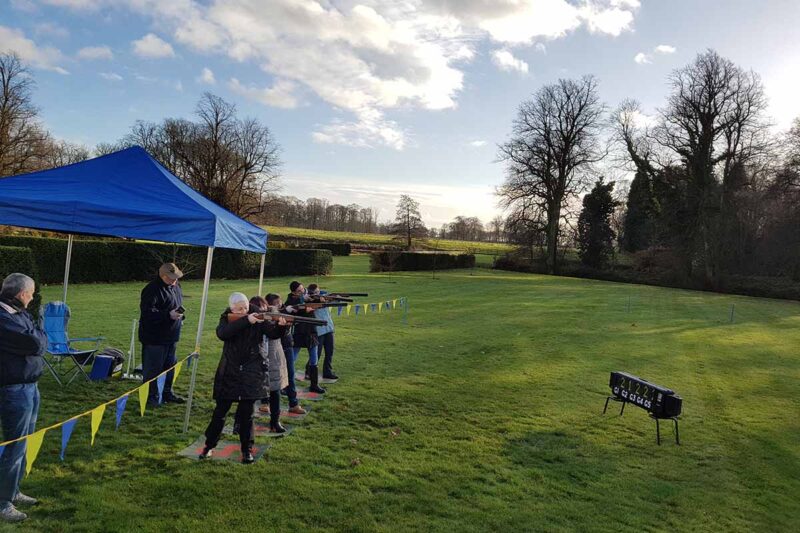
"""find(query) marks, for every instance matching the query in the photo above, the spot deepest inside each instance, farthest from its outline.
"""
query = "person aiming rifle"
(242, 371)
(325, 332)
(305, 335)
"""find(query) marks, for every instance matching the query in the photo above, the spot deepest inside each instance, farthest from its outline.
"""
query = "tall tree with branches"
(408, 222)
(554, 143)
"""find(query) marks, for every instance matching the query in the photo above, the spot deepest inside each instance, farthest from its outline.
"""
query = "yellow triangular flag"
(97, 417)
(34, 442)
(366, 308)
(394, 304)
(380, 304)
(347, 310)
(143, 390)
(177, 371)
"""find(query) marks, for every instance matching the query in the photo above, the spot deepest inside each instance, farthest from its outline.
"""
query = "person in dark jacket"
(242, 372)
(324, 334)
(305, 335)
(160, 320)
(277, 377)
(22, 345)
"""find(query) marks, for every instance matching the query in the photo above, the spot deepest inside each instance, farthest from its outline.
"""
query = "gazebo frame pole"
(261, 274)
(196, 354)
(66, 267)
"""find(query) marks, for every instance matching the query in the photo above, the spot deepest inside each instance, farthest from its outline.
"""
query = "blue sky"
(371, 99)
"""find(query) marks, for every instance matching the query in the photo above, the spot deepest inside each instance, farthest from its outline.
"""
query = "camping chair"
(59, 345)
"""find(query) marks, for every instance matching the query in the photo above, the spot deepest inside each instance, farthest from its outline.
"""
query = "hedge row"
(336, 248)
(391, 261)
(18, 259)
(110, 261)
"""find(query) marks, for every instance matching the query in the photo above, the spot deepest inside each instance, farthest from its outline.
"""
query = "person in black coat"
(304, 335)
(242, 371)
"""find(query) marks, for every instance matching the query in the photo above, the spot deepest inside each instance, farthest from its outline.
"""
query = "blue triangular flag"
(388, 305)
(339, 311)
(160, 380)
(373, 306)
(2, 449)
(358, 308)
(121, 403)
(66, 433)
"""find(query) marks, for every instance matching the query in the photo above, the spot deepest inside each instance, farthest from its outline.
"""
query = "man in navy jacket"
(22, 345)
(160, 320)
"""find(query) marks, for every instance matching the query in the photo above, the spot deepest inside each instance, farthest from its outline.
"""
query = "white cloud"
(111, 76)
(541, 48)
(643, 58)
(367, 57)
(179, 86)
(152, 46)
(26, 6)
(95, 52)
(50, 29)
(665, 49)
(207, 77)
(279, 95)
(506, 61)
(477, 144)
(370, 128)
(42, 57)
(75, 4)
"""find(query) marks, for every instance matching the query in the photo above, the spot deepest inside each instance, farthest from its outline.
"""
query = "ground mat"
(226, 450)
(299, 376)
(261, 430)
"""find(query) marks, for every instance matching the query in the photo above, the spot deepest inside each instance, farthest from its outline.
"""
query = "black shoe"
(307, 375)
(277, 428)
(152, 404)
(206, 453)
(313, 371)
(247, 458)
(173, 398)
(329, 375)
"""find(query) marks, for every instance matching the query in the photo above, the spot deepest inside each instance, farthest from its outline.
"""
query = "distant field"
(374, 238)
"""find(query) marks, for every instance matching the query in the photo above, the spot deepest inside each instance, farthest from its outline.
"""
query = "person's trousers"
(291, 388)
(244, 419)
(19, 407)
(155, 359)
(274, 407)
(326, 344)
(313, 355)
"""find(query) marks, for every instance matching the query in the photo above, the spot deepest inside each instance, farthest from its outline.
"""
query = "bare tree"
(712, 124)
(22, 138)
(408, 222)
(553, 146)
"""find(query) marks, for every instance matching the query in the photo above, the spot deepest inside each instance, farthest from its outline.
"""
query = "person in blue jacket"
(22, 345)
(160, 320)
(324, 334)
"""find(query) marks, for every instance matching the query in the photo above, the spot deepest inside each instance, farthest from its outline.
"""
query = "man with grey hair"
(22, 345)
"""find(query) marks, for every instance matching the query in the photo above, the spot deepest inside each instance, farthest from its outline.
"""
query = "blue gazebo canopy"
(123, 194)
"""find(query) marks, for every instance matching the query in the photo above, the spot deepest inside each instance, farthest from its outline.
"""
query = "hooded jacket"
(22, 345)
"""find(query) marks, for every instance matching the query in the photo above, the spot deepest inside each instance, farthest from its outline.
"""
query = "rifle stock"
(345, 294)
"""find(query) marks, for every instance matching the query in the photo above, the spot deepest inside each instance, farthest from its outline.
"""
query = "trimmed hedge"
(336, 248)
(391, 261)
(19, 259)
(111, 261)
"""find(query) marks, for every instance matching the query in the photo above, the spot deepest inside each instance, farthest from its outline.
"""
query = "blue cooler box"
(101, 368)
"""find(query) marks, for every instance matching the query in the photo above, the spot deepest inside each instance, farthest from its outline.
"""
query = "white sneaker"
(22, 499)
(10, 514)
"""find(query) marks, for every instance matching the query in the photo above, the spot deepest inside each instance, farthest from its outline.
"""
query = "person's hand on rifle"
(281, 321)
(175, 315)
(253, 318)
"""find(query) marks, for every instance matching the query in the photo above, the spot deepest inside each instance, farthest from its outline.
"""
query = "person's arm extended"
(227, 330)
(21, 340)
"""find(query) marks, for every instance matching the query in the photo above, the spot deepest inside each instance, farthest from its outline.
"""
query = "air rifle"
(344, 294)
(274, 317)
(313, 306)
(326, 298)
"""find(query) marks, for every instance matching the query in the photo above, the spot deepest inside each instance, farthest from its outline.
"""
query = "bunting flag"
(2, 449)
(358, 308)
(66, 433)
(380, 305)
(347, 310)
(32, 448)
(97, 417)
(121, 403)
(160, 380)
(394, 304)
(178, 368)
(143, 390)
(338, 311)
(366, 308)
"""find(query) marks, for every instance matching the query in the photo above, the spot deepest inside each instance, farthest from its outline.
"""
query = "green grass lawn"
(376, 238)
(483, 413)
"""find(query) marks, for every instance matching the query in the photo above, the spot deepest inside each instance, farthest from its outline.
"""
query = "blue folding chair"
(59, 346)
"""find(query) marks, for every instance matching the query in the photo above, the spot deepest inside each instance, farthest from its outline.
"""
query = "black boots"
(327, 367)
(307, 375)
(313, 374)
(275, 413)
